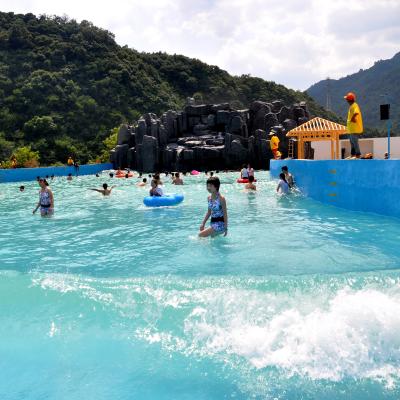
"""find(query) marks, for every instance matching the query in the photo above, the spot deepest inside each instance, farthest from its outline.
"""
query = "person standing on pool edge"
(217, 210)
(354, 124)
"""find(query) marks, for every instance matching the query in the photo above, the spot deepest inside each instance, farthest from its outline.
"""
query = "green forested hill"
(369, 85)
(64, 85)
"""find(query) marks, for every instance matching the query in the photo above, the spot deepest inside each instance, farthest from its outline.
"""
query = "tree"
(108, 144)
(26, 157)
(40, 126)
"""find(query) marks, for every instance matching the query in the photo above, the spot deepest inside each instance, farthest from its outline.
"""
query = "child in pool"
(250, 185)
(143, 183)
(155, 189)
(105, 191)
(46, 199)
(283, 186)
(177, 180)
(217, 210)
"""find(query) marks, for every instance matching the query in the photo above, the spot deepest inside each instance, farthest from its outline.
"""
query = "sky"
(292, 42)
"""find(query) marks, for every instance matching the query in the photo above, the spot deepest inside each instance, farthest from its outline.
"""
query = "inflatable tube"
(163, 201)
(130, 174)
(194, 172)
(244, 180)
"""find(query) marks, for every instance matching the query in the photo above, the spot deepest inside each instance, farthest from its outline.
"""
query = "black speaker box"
(384, 111)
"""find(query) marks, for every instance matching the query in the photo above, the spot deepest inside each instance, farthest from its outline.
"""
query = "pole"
(388, 123)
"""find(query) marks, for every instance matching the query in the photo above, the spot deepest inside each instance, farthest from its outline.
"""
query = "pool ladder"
(291, 148)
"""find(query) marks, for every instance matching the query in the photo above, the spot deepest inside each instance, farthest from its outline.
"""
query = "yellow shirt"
(354, 127)
(274, 142)
(70, 161)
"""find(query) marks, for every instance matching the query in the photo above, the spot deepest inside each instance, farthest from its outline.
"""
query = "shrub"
(26, 157)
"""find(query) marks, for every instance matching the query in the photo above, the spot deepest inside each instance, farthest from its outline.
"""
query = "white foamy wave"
(355, 334)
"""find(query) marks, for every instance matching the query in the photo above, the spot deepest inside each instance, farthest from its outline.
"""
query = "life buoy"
(130, 174)
(163, 201)
(244, 180)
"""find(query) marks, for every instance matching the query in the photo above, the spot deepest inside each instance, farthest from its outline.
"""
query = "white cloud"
(291, 42)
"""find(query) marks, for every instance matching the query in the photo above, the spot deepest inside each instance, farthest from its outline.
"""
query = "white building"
(376, 146)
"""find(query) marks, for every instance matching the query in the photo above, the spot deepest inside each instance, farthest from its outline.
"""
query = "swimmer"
(155, 189)
(105, 191)
(250, 171)
(157, 178)
(69, 177)
(250, 185)
(288, 176)
(22, 188)
(111, 175)
(177, 180)
(46, 199)
(244, 174)
(143, 183)
(217, 210)
(283, 186)
(97, 175)
(52, 177)
(211, 174)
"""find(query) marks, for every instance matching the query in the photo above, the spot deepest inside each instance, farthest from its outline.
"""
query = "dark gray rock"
(276, 106)
(131, 158)
(211, 121)
(149, 117)
(141, 130)
(215, 141)
(188, 155)
(123, 134)
(200, 129)
(302, 120)
(194, 143)
(289, 124)
(147, 154)
(121, 155)
(283, 114)
(235, 125)
(192, 122)
(204, 119)
(198, 111)
(162, 136)
(154, 127)
(257, 106)
(171, 124)
(238, 152)
(217, 107)
(298, 112)
(222, 117)
(270, 120)
(206, 136)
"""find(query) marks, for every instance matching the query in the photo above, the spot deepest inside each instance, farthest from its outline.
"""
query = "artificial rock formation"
(206, 136)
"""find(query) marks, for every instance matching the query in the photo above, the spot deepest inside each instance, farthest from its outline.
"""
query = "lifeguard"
(274, 143)
(70, 162)
(354, 124)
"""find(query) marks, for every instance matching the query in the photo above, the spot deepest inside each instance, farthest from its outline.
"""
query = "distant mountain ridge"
(369, 85)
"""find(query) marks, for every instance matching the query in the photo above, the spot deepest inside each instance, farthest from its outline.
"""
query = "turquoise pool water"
(110, 300)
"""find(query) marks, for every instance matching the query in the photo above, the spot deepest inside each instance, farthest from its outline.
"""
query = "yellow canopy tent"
(318, 129)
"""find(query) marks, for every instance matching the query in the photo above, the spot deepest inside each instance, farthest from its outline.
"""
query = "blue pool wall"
(30, 174)
(359, 185)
